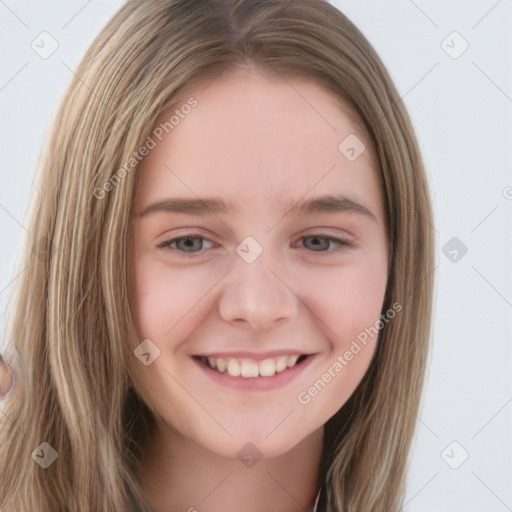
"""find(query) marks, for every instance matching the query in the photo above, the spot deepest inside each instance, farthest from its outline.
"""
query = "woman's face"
(256, 238)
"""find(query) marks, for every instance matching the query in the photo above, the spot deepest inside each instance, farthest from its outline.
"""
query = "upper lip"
(257, 356)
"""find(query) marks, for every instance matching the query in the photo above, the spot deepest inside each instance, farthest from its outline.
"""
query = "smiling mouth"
(250, 368)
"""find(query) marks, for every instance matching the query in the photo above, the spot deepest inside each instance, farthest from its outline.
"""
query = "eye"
(187, 243)
(323, 243)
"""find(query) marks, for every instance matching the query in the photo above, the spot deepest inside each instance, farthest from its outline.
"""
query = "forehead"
(255, 138)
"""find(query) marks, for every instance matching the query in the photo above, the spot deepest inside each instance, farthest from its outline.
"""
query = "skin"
(262, 144)
(6, 378)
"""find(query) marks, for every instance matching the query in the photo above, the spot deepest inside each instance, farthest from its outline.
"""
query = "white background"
(462, 111)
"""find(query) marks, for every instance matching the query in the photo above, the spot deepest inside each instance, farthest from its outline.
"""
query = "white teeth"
(281, 363)
(221, 364)
(290, 362)
(267, 368)
(234, 368)
(250, 368)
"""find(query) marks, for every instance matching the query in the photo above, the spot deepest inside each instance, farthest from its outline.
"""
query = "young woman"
(230, 305)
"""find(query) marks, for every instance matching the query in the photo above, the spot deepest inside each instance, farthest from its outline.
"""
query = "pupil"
(190, 244)
(317, 244)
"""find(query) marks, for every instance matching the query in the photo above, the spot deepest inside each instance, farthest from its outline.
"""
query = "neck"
(179, 475)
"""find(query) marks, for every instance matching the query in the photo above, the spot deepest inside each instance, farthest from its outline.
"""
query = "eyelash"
(166, 244)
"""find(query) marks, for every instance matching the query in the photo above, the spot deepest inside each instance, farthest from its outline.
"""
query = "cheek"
(348, 303)
(348, 299)
(164, 298)
(167, 305)
(361, 295)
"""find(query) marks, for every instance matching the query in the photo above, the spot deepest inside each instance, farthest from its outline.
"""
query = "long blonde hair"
(70, 324)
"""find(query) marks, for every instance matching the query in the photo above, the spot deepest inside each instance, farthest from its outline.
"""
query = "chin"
(256, 444)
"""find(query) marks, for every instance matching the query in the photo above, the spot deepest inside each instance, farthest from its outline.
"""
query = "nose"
(256, 296)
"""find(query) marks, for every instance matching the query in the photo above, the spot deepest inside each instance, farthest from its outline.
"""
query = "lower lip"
(277, 381)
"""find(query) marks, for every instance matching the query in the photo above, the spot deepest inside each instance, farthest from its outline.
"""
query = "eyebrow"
(322, 204)
(188, 205)
(334, 204)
